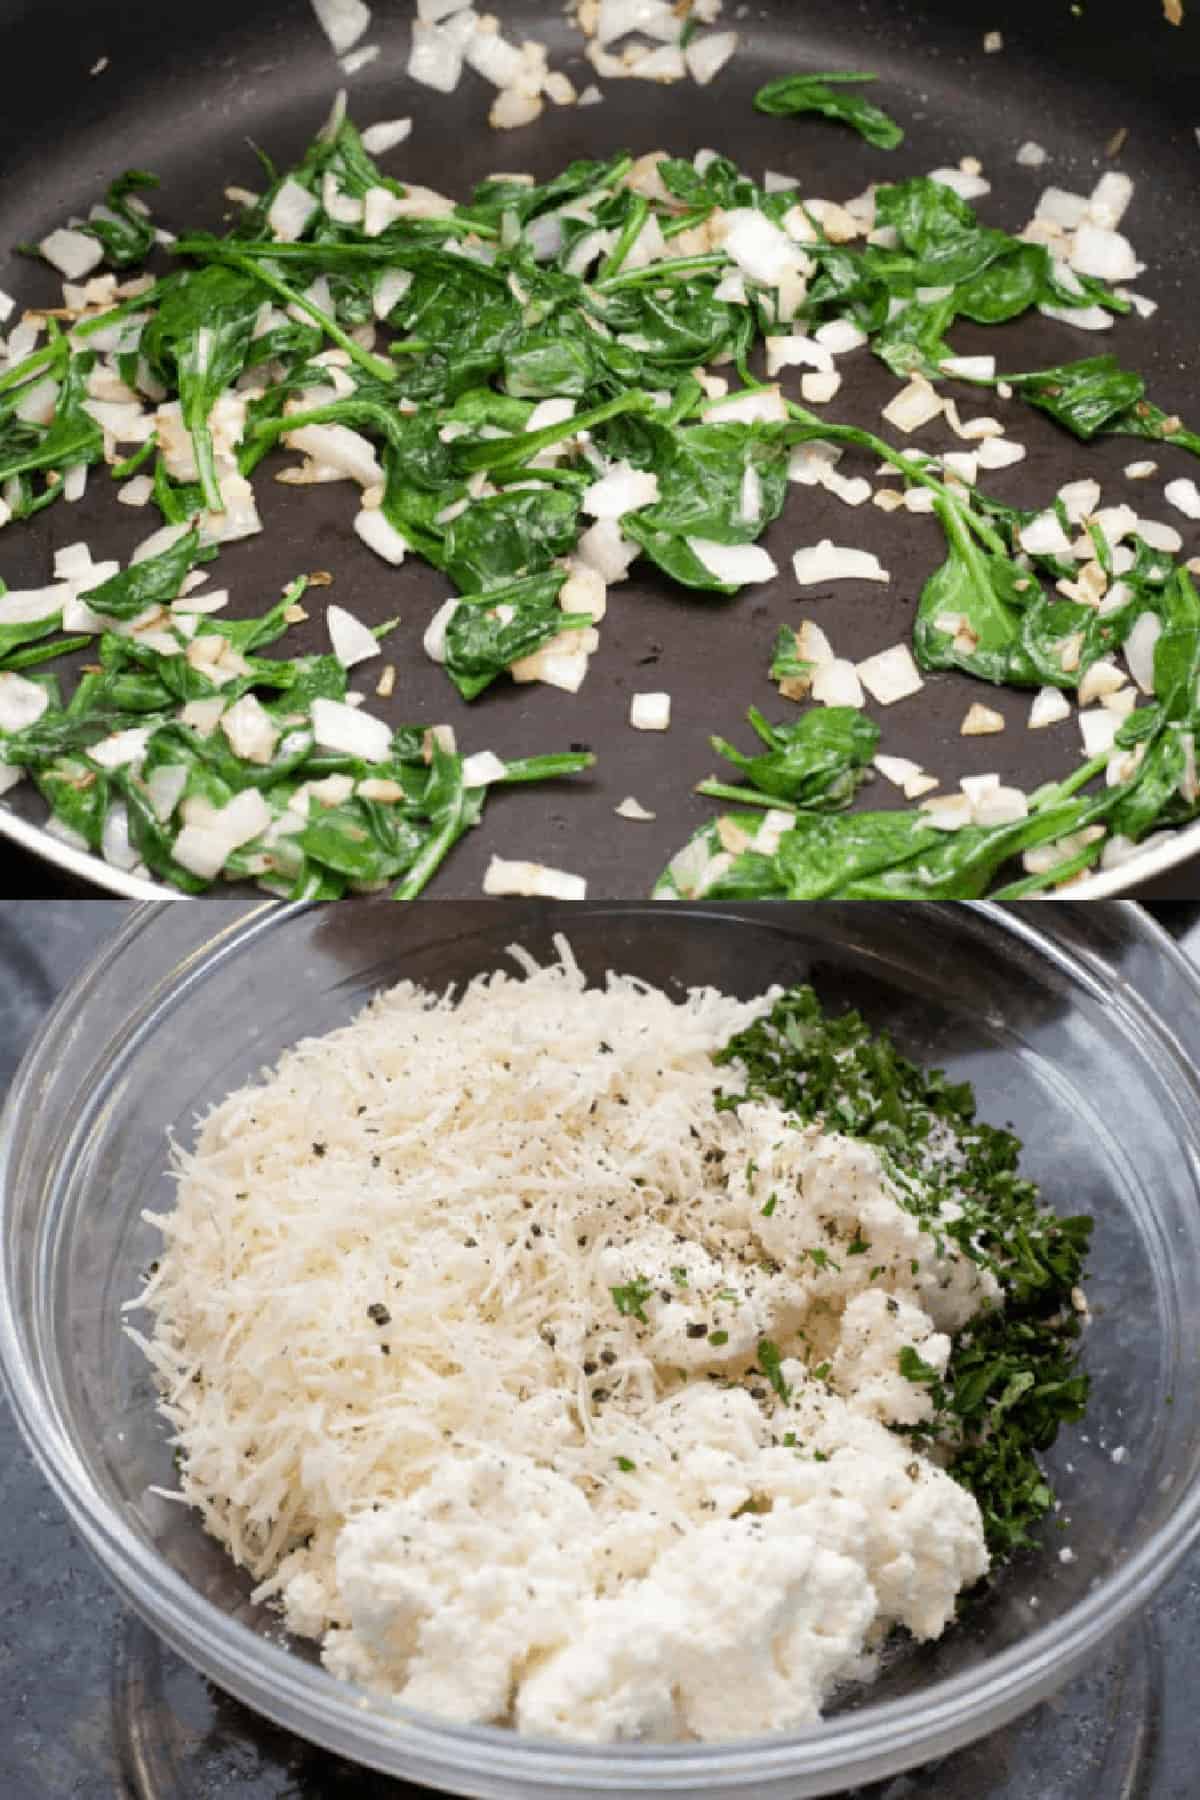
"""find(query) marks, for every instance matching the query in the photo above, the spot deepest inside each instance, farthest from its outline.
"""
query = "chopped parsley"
(626, 1467)
(718, 1338)
(630, 1300)
(769, 1363)
(1013, 1378)
(769, 1208)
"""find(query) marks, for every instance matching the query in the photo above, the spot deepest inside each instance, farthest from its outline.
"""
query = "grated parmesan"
(386, 1329)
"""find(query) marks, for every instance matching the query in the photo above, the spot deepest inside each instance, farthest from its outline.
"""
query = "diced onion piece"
(338, 447)
(136, 491)
(205, 849)
(22, 702)
(890, 675)
(969, 368)
(604, 549)
(584, 591)
(342, 21)
(760, 249)
(914, 406)
(291, 212)
(122, 748)
(1160, 537)
(352, 641)
(73, 253)
(1103, 677)
(434, 640)
(1110, 197)
(1031, 155)
(1081, 498)
(1001, 806)
(26, 605)
(494, 58)
(754, 406)
(737, 565)
(337, 726)
(819, 389)
(1098, 730)
(1139, 649)
(948, 812)
(251, 731)
(1184, 496)
(707, 55)
(378, 533)
(164, 789)
(1084, 318)
(650, 712)
(435, 59)
(999, 453)
(482, 769)
(840, 336)
(827, 561)
(967, 187)
(1102, 253)
(630, 808)
(1050, 705)
(797, 351)
(981, 721)
(532, 880)
(898, 770)
(836, 683)
(378, 139)
(1044, 536)
(1140, 471)
(624, 489)
(562, 663)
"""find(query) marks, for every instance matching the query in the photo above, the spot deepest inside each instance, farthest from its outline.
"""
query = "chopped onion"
(390, 289)
(1098, 730)
(136, 491)
(164, 789)
(435, 59)
(250, 729)
(73, 253)
(759, 248)
(378, 139)
(605, 549)
(650, 712)
(1103, 253)
(482, 769)
(434, 641)
(898, 770)
(1139, 649)
(337, 726)
(591, 96)
(817, 389)
(624, 489)
(1086, 318)
(532, 880)
(1044, 536)
(342, 21)
(734, 564)
(340, 448)
(1080, 498)
(967, 187)
(981, 721)
(22, 702)
(890, 675)
(1184, 496)
(970, 368)
(836, 683)
(948, 812)
(914, 406)
(123, 748)
(1109, 198)
(840, 335)
(1031, 155)
(352, 641)
(999, 453)
(753, 406)
(494, 58)
(1159, 536)
(205, 849)
(1062, 208)
(1102, 678)
(379, 534)
(827, 561)
(291, 212)
(1001, 806)
(1050, 705)
(630, 808)
(706, 56)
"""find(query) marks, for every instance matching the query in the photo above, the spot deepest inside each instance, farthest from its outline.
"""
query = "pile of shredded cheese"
(458, 1325)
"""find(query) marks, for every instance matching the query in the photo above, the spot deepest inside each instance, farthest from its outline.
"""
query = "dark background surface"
(92, 1707)
(183, 101)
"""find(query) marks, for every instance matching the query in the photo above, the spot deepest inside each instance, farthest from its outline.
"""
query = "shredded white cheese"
(435, 1323)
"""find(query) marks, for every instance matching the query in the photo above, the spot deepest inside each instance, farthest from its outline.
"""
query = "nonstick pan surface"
(186, 88)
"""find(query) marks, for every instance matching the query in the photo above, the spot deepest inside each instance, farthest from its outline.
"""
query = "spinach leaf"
(126, 234)
(815, 762)
(823, 94)
(198, 341)
(487, 633)
(155, 581)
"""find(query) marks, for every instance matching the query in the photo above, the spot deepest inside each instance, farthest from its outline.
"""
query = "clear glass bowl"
(1079, 1024)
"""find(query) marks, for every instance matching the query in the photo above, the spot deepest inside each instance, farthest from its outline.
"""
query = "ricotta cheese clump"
(543, 1393)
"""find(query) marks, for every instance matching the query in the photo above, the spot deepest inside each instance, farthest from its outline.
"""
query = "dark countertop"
(94, 1707)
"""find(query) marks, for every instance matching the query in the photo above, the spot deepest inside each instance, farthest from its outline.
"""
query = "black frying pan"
(186, 86)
